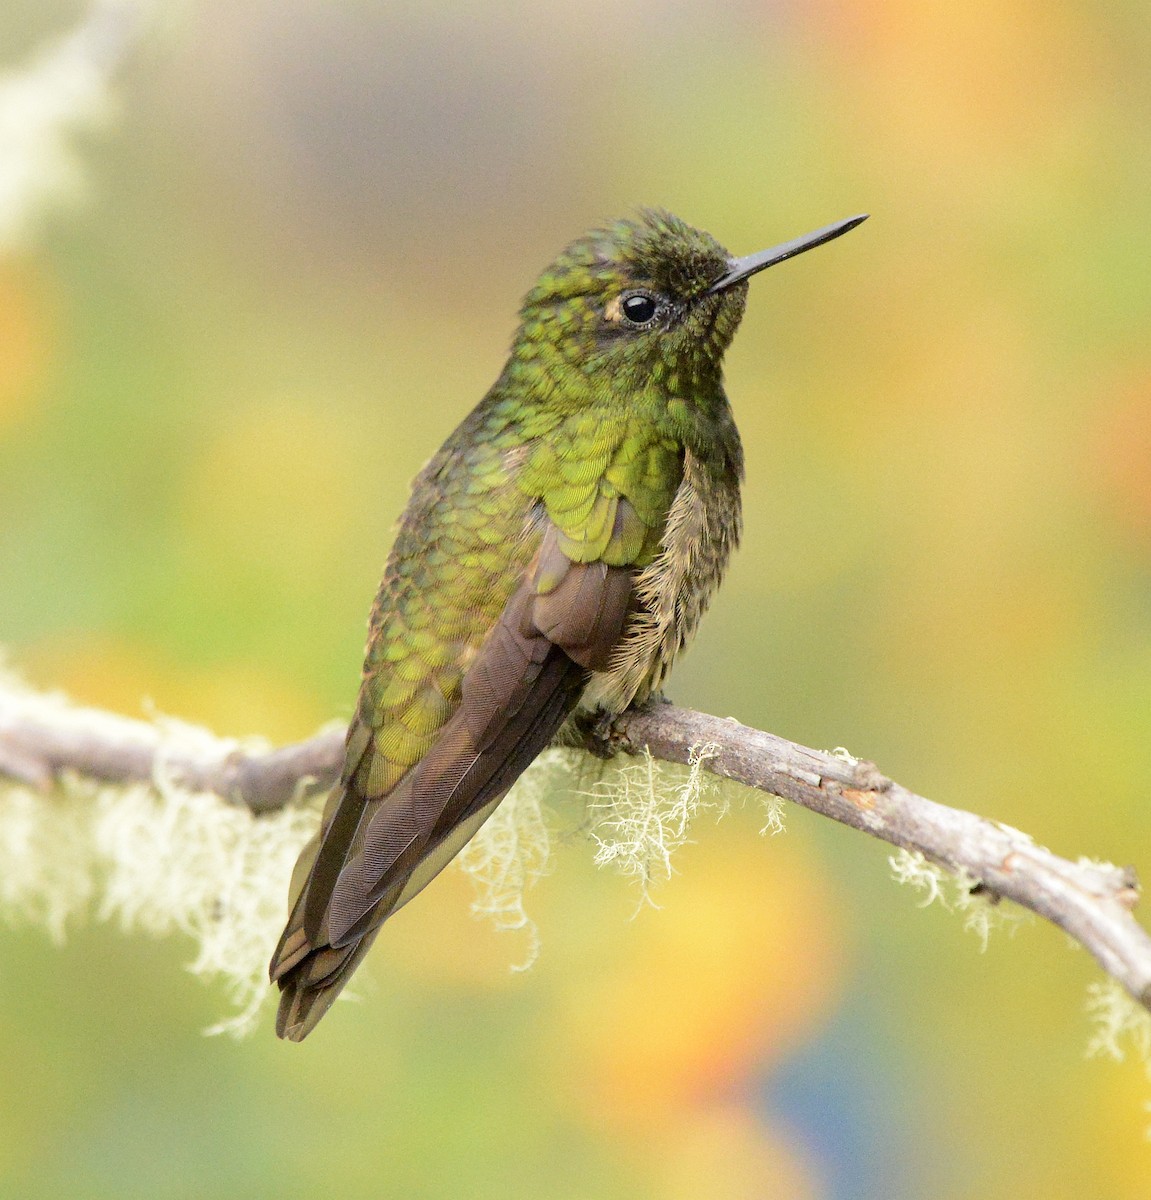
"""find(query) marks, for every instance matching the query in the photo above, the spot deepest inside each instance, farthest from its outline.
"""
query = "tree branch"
(40, 736)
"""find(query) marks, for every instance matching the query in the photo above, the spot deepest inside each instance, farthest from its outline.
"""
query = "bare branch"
(41, 736)
(1092, 902)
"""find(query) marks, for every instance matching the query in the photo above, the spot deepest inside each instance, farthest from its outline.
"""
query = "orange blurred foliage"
(1119, 460)
(25, 341)
(741, 963)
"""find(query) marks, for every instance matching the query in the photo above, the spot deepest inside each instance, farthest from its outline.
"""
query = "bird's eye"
(638, 308)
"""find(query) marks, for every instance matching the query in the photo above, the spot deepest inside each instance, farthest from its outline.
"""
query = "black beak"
(742, 268)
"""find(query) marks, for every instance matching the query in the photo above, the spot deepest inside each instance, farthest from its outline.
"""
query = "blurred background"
(285, 259)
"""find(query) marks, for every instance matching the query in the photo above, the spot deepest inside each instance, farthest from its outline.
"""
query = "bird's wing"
(562, 622)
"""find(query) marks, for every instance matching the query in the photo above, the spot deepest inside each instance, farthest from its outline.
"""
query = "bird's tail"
(311, 974)
(310, 979)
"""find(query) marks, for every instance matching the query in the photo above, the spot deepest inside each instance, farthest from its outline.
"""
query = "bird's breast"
(673, 591)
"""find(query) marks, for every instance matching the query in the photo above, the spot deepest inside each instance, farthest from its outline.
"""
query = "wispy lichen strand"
(642, 813)
(959, 893)
(512, 849)
(156, 861)
(1121, 1025)
(47, 858)
(173, 860)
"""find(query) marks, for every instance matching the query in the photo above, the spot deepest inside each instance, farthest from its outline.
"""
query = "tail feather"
(309, 988)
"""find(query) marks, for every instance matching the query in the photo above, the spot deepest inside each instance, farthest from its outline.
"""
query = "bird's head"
(644, 301)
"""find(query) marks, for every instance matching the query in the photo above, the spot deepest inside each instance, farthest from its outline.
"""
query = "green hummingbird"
(556, 554)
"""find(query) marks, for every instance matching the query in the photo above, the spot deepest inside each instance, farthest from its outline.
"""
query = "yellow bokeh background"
(305, 234)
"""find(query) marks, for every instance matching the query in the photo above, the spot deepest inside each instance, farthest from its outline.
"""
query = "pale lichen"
(957, 892)
(1120, 1023)
(773, 811)
(156, 860)
(188, 862)
(511, 851)
(1122, 1027)
(47, 860)
(641, 814)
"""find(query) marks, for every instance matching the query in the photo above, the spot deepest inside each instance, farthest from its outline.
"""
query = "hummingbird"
(555, 556)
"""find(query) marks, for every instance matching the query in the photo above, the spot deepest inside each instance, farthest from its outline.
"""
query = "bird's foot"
(600, 733)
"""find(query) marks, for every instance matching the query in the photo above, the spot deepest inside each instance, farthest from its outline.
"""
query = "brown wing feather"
(518, 693)
(374, 856)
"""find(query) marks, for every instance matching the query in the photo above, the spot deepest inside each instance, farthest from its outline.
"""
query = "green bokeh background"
(306, 234)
